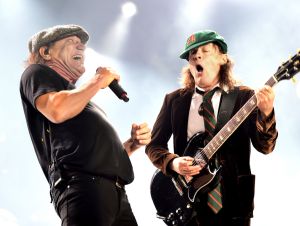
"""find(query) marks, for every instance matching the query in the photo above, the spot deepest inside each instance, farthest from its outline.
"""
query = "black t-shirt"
(86, 143)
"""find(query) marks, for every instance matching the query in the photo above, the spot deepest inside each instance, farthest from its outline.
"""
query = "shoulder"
(35, 68)
(34, 71)
(40, 73)
(39, 79)
(179, 93)
(179, 96)
(243, 92)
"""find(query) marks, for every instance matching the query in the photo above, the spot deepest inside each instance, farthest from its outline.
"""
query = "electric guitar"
(174, 197)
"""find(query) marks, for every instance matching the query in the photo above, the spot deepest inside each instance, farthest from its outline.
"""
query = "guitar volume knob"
(174, 223)
(182, 218)
(179, 211)
(171, 216)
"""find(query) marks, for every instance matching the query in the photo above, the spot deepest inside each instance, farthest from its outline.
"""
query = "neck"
(63, 71)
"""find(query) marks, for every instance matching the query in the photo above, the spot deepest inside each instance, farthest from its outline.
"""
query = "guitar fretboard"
(210, 149)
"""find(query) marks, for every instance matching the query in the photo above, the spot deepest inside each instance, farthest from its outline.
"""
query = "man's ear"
(224, 59)
(44, 52)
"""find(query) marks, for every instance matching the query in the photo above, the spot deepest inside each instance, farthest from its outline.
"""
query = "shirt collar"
(201, 91)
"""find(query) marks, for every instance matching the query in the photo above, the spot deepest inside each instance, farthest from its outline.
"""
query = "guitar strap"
(226, 107)
(225, 112)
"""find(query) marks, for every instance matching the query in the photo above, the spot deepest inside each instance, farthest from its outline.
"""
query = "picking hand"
(184, 166)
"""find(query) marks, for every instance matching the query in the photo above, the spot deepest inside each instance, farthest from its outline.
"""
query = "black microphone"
(118, 90)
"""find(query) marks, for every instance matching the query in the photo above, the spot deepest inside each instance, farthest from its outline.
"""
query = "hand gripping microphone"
(118, 90)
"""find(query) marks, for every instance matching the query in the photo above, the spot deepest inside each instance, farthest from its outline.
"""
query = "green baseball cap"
(201, 38)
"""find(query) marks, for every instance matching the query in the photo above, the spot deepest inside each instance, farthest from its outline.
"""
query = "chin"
(81, 70)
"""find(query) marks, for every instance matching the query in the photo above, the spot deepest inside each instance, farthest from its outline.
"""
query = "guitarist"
(209, 66)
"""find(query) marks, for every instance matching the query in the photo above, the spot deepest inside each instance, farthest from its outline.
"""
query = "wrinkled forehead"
(74, 38)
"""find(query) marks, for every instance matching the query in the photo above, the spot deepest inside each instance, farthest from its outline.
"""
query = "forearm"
(129, 146)
(61, 106)
(266, 135)
(160, 158)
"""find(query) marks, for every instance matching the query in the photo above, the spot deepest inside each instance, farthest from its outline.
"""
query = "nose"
(198, 55)
(81, 46)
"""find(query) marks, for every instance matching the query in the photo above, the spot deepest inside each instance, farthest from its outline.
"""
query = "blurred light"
(115, 38)
(196, 11)
(11, 8)
(129, 9)
(3, 172)
(93, 60)
(298, 89)
(2, 138)
(7, 218)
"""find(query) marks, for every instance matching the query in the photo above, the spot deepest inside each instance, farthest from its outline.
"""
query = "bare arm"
(61, 106)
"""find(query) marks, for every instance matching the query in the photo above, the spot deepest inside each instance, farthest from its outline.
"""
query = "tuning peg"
(294, 80)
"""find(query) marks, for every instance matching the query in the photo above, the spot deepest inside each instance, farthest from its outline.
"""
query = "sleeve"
(37, 80)
(266, 133)
(263, 131)
(157, 150)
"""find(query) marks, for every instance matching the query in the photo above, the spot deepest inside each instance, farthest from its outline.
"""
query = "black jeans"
(92, 201)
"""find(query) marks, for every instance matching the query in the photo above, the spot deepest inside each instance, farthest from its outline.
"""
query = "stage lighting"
(129, 9)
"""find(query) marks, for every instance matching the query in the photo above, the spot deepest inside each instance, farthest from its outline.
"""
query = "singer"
(79, 151)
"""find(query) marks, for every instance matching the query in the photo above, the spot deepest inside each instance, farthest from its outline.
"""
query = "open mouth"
(77, 57)
(199, 68)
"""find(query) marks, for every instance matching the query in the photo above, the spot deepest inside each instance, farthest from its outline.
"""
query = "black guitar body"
(173, 197)
(171, 207)
(208, 178)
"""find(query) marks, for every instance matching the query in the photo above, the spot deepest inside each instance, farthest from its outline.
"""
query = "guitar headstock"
(289, 68)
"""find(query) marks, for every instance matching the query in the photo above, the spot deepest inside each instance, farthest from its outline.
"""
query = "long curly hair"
(226, 76)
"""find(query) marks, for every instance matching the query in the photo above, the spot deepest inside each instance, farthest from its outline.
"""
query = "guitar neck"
(219, 139)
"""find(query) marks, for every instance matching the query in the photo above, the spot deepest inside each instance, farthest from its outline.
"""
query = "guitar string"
(284, 69)
(202, 155)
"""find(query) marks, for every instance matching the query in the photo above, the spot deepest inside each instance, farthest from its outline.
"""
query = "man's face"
(204, 64)
(70, 52)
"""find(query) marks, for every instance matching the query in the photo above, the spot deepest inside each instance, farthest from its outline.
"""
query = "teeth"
(77, 57)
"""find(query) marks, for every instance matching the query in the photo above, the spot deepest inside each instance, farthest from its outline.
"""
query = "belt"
(117, 180)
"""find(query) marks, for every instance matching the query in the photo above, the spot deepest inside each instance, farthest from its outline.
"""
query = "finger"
(134, 128)
(194, 172)
(141, 131)
(190, 172)
(143, 140)
(187, 158)
(144, 136)
(143, 124)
